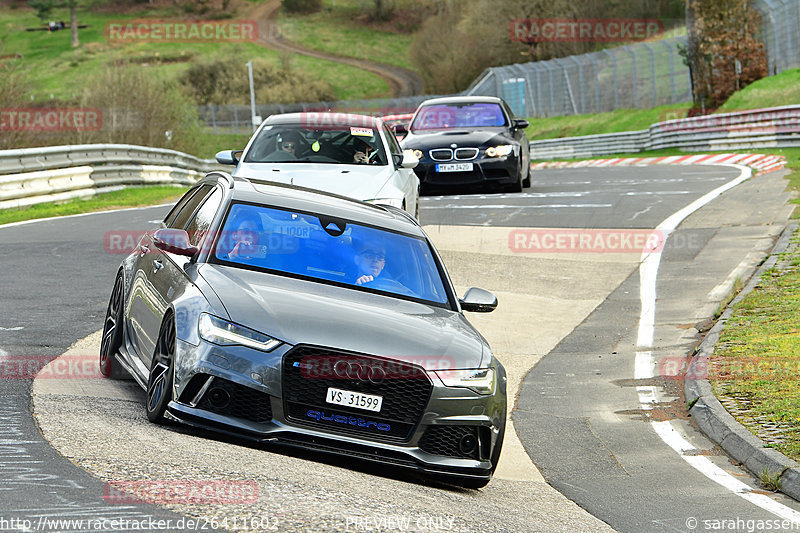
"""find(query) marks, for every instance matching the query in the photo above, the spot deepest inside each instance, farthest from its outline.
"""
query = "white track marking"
(644, 364)
(500, 206)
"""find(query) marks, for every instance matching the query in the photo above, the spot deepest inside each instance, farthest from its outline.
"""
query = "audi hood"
(306, 312)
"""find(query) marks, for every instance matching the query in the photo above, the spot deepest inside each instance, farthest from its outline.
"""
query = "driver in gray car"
(370, 260)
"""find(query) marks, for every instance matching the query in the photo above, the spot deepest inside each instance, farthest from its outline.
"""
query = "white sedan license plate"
(359, 400)
(454, 167)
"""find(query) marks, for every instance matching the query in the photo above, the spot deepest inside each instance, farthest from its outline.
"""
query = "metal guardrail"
(35, 175)
(777, 127)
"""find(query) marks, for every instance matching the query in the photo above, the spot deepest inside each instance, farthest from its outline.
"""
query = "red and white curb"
(762, 162)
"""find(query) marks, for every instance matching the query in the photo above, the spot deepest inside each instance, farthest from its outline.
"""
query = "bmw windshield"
(294, 143)
(446, 116)
(331, 251)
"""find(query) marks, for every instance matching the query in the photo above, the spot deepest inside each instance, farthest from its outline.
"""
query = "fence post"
(580, 82)
(540, 107)
(596, 66)
(213, 119)
(671, 71)
(652, 73)
(633, 72)
(616, 82)
(552, 89)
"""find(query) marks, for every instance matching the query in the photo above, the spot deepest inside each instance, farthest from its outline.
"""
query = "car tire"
(527, 181)
(516, 187)
(113, 336)
(472, 483)
(162, 371)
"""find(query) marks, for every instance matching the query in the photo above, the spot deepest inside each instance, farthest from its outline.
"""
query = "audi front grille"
(309, 371)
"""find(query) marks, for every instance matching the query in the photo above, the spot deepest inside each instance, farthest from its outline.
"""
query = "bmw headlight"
(499, 151)
(480, 380)
(417, 154)
(219, 331)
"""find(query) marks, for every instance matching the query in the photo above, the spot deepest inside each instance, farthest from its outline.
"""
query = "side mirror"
(174, 241)
(478, 301)
(400, 129)
(409, 159)
(520, 123)
(228, 157)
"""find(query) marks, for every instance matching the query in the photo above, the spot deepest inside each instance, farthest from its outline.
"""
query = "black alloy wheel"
(159, 385)
(112, 333)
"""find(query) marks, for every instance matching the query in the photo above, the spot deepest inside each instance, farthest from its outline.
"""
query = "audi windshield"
(329, 250)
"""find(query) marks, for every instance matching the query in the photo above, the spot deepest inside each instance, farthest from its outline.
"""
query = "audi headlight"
(219, 331)
(499, 151)
(480, 380)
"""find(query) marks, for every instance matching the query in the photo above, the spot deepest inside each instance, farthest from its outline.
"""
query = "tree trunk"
(693, 58)
(73, 22)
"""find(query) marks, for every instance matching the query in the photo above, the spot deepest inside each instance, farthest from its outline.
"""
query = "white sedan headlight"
(480, 380)
(499, 151)
(219, 331)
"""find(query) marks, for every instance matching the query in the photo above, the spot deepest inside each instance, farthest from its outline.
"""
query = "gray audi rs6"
(281, 314)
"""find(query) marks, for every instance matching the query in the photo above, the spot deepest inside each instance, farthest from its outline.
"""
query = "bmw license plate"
(359, 400)
(454, 167)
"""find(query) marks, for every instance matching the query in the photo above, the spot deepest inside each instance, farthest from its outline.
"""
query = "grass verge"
(755, 369)
(130, 197)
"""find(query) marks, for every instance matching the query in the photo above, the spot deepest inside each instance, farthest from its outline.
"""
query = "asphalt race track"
(571, 315)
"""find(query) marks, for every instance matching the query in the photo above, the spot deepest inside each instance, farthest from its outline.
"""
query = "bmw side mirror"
(228, 157)
(520, 123)
(174, 241)
(409, 159)
(478, 301)
(399, 129)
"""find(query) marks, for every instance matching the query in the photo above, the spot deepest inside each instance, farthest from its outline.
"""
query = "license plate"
(454, 167)
(359, 400)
